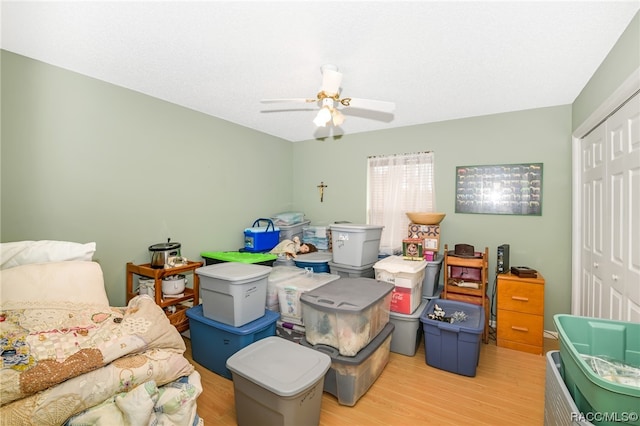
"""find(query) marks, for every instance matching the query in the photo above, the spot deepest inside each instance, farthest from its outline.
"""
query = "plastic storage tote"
(350, 377)
(277, 275)
(347, 271)
(581, 339)
(407, 334)
(453, 347)
(346, 313)
(317, 261)
(211, 257)
(289, 331)
(278, 382)
(432, 277)
(233, 293)
(261, 238)
(559, 407)
(407, 277)
(287, 232)
(355, 245)
(213, 342)
(289, 292)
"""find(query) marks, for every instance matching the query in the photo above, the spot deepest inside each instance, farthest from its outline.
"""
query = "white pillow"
(71, 282)
(26, 252)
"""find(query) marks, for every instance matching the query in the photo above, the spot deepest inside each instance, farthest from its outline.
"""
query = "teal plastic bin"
(603, 401)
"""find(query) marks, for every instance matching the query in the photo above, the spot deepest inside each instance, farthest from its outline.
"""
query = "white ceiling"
(437, 60)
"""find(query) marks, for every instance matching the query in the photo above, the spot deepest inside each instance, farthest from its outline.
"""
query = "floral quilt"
(57, 361)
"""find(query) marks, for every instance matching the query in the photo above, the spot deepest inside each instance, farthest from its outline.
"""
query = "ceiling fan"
(328, 99)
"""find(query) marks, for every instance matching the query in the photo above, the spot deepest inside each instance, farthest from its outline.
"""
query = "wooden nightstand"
(520, 319)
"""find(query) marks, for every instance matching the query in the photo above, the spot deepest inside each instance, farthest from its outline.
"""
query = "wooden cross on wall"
(321, 188)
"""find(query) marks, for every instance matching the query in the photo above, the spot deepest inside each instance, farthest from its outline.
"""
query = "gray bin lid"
(234, 271)
(347, 294)
(279, 365)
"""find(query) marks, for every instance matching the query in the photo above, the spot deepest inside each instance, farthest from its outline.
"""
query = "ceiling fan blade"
(383, 106)
(288, 100)
(331, 80)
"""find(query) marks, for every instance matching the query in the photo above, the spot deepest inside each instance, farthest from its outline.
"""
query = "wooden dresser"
(520, 318)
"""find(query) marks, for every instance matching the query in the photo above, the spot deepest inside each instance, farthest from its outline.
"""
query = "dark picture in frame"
(500, 189)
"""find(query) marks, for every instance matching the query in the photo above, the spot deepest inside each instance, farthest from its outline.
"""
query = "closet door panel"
(621, 281)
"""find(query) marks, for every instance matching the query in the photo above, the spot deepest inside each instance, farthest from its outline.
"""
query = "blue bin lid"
(270, 317)
(474, 323)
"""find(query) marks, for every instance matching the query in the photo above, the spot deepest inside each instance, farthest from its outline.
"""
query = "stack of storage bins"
(319, 236)
(415, 282)
(348, 319)
(232, 314)
(291, 323)
(355, 249)
(290, 224)
(600, 366)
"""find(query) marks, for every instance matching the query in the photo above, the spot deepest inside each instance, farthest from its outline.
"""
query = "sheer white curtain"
(397, 184)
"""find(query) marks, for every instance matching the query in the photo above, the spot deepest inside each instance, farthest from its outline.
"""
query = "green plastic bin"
(211, 257)
(603, 401)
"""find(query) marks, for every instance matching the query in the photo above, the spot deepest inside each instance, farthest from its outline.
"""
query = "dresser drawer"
(520, 327)
(521, 296)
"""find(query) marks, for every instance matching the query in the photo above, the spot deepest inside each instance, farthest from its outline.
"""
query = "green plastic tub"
(211, 257)
(602, 401)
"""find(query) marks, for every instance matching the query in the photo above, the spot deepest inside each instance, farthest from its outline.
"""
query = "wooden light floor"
(508, 389)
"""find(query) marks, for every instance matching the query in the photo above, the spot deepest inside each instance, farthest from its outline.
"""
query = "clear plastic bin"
(346, 313)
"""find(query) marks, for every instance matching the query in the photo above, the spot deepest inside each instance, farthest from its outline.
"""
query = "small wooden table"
(191, 294)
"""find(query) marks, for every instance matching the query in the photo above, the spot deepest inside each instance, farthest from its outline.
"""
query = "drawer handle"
(513, 327)
(520, 298)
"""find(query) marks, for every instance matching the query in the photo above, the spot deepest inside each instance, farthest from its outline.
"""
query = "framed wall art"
(500, 189)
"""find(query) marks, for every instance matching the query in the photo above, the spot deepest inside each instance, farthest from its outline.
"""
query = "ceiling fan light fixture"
(323, 117)
(338, 117)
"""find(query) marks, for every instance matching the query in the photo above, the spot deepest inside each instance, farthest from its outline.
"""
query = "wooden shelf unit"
(520, 315)
(191, 294)
(476, 296)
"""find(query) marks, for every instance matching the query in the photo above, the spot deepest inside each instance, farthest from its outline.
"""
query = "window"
(397, 184)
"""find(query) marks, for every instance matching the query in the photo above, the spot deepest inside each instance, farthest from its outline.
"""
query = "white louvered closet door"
(610, 265)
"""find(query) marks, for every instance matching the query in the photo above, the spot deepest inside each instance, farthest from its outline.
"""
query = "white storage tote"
(407, 276)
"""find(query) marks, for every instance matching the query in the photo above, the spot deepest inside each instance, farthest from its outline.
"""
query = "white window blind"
(397, 184)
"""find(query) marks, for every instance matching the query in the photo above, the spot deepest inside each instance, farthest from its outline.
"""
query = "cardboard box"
(429, 233)
(412, 249)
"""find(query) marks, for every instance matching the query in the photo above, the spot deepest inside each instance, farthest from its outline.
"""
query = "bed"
(68, 358)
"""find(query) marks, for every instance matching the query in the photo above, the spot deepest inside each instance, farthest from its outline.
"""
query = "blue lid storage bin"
(317, 261)
(582, 337)
(453, 347)
(213, 342)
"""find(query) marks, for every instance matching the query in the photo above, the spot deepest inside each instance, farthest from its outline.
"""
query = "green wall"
(539, 135)
(620, 63)
(83, 160)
